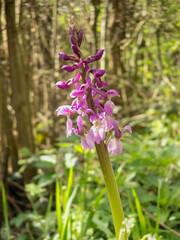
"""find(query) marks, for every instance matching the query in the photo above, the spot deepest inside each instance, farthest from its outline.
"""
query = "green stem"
(112, 188)
(110, 181)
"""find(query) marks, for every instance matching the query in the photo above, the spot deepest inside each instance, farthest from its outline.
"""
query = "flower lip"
(115, 147)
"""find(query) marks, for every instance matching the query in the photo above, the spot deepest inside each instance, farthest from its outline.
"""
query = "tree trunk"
(20, 91)
(6, 124)
(96, 5)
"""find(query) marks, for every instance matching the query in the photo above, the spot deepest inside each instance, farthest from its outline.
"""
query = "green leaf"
(46, 161)
(25, 152)
(21, 218)
(47, 179)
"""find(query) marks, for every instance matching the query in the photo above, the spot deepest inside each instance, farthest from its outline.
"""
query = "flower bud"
(99, 73)
(80, 37)
(76, 50)
(73, 39)
(99, 54)
(65, 57)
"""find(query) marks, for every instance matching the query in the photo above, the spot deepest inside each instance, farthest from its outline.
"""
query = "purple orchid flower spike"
(93, 106)
(90, 98)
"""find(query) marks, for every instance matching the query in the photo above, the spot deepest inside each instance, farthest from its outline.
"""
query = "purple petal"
(70, 82)
(111, 93)
(97, 90)
(79, 123)
(101, 133)
(105, 84)
(89, 111)
(126, 128)
(65, 110)
(75, 93)
(76, 79)
(69, 126)
(118, 133)
(98, 82)
(115, 147)
(96, 132)
(87, 142)
(73, 67)
(107, 122)
(108, 106)
(68, 68)
(99, 73)
(61, 85)
(79, 91)
(79, 102)
(80, 64)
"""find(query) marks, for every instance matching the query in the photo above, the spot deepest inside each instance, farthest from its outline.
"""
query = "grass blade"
(47, 215)
(66, 215)
(136, 228)
(67, 193)
(140, 214)
(158, 206)
(5, 210)
(58, 208)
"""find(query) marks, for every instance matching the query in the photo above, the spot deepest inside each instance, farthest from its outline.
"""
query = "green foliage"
(147, 174)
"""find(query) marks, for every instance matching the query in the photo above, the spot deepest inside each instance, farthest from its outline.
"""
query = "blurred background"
(141, 39)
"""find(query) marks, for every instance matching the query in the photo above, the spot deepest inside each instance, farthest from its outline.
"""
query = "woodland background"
(141, 39)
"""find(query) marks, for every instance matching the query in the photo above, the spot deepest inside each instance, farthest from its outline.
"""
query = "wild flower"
(92, 101)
